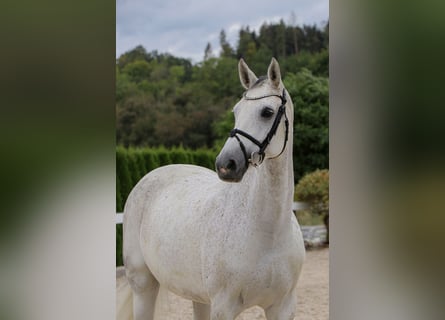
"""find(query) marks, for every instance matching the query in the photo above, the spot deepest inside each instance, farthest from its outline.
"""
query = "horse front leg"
(284, 309)
(225, 307)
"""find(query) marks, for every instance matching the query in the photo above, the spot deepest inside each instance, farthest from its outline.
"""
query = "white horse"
(226, 246)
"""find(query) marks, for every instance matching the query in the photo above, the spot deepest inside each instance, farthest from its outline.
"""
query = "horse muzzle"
(230, 168)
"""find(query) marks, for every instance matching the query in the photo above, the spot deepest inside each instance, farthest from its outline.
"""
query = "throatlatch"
(256, 158)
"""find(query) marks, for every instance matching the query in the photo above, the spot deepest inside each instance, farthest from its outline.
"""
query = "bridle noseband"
(256, 158)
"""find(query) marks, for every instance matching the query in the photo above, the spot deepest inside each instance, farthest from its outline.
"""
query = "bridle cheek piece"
(257, 157)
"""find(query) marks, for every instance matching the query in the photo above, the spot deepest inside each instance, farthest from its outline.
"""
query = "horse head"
(261, 124)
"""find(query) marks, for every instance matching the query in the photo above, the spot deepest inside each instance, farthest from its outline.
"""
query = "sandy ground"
(313, 293)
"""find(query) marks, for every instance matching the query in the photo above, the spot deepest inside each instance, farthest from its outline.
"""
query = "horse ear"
(246, 76)
(274, 73)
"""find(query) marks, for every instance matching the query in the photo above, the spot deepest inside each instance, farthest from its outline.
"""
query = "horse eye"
(267, 112)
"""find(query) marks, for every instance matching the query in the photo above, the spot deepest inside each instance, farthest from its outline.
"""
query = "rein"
(256, 158)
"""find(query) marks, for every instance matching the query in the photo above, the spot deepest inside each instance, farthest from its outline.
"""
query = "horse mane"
(260, 80)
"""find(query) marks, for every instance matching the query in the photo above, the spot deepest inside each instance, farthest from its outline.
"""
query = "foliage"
(123, 179)
(166, 100)
(310, 95)
(222, 128)
(119, 240)
(314, 189)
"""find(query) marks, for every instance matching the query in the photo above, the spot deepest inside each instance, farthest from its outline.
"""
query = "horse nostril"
(231, 165)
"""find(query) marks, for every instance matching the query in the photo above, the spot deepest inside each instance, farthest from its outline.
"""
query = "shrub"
(313, 188)
(205, 158)
(179, 155)
(151, 159)
(119, 258)
(134, 166)
(140, 162)
(164, 156)
(123, 178)
(118, 196)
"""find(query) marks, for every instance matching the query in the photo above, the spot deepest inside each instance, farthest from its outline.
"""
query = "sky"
(184, 27)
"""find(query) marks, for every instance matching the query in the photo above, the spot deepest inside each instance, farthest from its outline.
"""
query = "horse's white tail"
(124, 296)
(124, 299)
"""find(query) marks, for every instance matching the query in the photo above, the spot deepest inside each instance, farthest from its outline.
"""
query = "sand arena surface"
(313, 294)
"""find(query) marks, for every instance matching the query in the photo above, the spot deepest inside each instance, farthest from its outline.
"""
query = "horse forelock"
(259, 82)
(262, 87)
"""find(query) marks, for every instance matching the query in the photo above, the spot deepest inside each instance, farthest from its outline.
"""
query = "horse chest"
(252, 280)
(250, 264)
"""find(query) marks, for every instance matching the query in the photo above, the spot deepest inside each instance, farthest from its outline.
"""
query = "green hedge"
(134, 163)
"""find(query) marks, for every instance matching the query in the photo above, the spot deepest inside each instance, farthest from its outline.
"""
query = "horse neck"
(272, 189)
(279, 172)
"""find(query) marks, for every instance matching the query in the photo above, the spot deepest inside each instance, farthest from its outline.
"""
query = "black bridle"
(256, 158)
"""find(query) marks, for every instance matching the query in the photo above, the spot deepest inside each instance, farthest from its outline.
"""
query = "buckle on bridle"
(256, 158)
